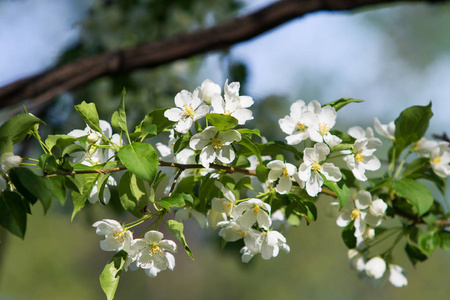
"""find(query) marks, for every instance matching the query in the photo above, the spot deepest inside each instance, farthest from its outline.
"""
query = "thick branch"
(45, 86)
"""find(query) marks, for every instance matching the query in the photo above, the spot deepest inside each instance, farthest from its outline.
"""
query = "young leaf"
(131, 190)
(88, 113)
(428, 242)
(176, 228)
(415, 255)
(445, 240)
(416, 193)
(222, 122)
(140, 159)
(13, 213)
(175, 200)
(249, 131)
(109, 278)
(119, 117)
(18, 126)
(79, 200)
(343, 193)
(247, 143)
(340, 103)
(411, 125)
(262, 173)
(348, 236)
(28, 183)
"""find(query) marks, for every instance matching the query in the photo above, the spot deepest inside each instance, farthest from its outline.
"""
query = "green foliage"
(88, 113)
(110, 276)
(222, 122)
(13, 213)
(140, 159)
(340, 103)
(411, 125)
(416, 193)
(177, 228)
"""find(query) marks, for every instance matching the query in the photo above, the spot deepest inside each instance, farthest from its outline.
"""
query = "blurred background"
(391, 57)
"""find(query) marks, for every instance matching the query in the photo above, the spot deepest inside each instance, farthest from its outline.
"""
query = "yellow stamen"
(285, 173)
(217, 143)
(155, 249)
(436, 160)
(324, 129)
(316, 167)
(188, 110)
(227, 113)
(256, 209)
(119, 235)
(355, 214)
(300, 126)
(359, 157)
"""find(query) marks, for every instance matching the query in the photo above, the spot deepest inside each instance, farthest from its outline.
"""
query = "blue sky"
(341, 50)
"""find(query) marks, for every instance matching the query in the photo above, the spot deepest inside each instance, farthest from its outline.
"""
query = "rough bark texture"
(45, 86)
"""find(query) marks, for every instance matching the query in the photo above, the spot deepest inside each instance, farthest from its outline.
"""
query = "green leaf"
(109, 278)
(247, 143)
(182, 142)
(18, 126)
(187, 198)
(132, 194)
(152, 119)
(416, 168)
(428, 242)
(59, 140)
(175, 200)
(28, 183)
(415, 255)
(13, 213)
(119, 117)
(222, 122)
(348, 236)
(140, 159)
(56, 186)
(445, 240)
(6, 145)
(262, 173)
(176, 228)
(79, 199)
(249, 131)
(411, 125)
(343, 193)
(416, 193)
(340, 103)
(88, 113)
(304, 208)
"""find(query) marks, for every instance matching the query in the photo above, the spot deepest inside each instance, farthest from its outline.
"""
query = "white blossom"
(319, 131)
(215, 144)
(185, 213)
(208, 90)
(224, 205)
(9, 160)
(116, 237)
(375, 267)
(440, 159)
(313, 165)
(423, 147)
(387, 131)
(363, 211)
(189, 108)
(283, 172)
(153, 253)
(254, 211)
(271, 243)
(356, 260)
(297, 123)
(397, 276)
(362, 158)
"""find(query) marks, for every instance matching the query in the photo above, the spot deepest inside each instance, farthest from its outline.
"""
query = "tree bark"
(45, 86)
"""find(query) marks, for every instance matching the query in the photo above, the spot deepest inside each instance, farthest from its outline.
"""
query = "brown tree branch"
(45, 86)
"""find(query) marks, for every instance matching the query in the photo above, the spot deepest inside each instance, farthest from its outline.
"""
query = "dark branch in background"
(43, 87)
(444, 137)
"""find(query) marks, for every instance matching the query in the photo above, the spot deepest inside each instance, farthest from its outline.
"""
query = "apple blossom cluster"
(229, 178)
(151, 253)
